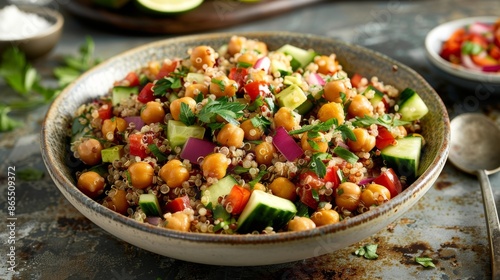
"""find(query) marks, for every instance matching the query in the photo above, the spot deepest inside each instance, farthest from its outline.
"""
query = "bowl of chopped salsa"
(246, 149)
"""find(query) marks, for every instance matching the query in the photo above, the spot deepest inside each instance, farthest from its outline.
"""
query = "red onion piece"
(480, 28)
(468, 63)
(263, 63)
(153, 220)
(195, 148)
(491, 68)
(138, 122)
(315, 79)
(286, 144)
(365, 181)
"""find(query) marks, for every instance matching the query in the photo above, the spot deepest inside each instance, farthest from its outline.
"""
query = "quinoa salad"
(243, 139)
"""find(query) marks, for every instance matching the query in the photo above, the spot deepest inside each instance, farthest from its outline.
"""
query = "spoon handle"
(493, 223)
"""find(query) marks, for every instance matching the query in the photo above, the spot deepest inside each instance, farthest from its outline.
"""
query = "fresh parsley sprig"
(384, 120)
(368, 251)
(229, 111)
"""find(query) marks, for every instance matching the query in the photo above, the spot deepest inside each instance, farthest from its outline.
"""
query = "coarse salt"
(16, 24)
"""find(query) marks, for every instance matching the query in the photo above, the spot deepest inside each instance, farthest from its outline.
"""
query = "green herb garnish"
(6, 122)
(230, 111)
(385, 120)
(157, 153)
(344, 153)
(317, 165)
(186, 115)
(368, 251)
(426, 262)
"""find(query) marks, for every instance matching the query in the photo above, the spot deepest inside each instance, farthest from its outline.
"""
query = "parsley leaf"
(219, 83)
(384, 120)
(257, 178)
(426, 262)
(321, 126)
(317, 165)
(230, 111)
(7, 123)
(187, 116)
(260, 122)
(346, 132)
(86, 59)
(344, 153)
(367, 251)
(164, 85)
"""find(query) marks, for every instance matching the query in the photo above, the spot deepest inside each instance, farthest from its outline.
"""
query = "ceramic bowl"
(244, 250)
(42, 43)
(455, 73)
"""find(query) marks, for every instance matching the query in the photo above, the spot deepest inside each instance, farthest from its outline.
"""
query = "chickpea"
(175, 106)
(178, 221)
(325, 217)
(260, 47)
(259, 186)
(215, 165)
(264, 153)
(301, 223)
(258, 76)
(375, 194)
(347, 196)
(91, 184)
(174, 173)
(235, 44)
(283, 188)
(364, 141)
(251, 132)
(152, 113)
(201, 56)
(223, 86)
(231, 135)
(399, 132)
(331, 110)
(285, 118)
(89, 151)
(321, 143)
(110, 126)
(194, 90)
(141, 174)
(333, 89)
(248, 57)
(360, 106)
(117, 201)
(326, 64)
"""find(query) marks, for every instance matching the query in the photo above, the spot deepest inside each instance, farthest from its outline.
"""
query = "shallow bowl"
(40, 44)
(244, 250)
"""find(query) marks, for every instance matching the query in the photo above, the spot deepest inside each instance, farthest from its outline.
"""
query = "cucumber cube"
(120, 93)
(178, 133)
(112, 153)
(291, 97)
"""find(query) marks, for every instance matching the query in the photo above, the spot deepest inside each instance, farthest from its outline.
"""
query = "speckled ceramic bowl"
(244, 250)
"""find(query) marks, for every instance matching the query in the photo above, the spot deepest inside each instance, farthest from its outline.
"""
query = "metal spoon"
(475, 149)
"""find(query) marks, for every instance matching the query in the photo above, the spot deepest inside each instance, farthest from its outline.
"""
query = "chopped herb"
(270, 103)
(317, 165)
(260, 121)
(313, 144)
(346, 132)
(157, 153)
(302, 209)
(243, 64)
(384, 120)
(164, 85)
(230, 111)
(257, 178)
(471, 48)
(315, 194)
(30, 174)
(368, 251)
(344, 153)
(7, 123)
(321, 126)
(256, 104)
(186, 115)
(219, 83)
(240, 170)
(222, 216)
(426, 262)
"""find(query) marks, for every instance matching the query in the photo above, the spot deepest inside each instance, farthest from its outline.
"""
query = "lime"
(168, 6)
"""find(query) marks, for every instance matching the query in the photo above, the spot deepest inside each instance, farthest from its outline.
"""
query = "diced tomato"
(138, 143)
(105, 111)
(452, 47)
(166, 69)
(494, 52)
(146, 94)
(178, 204)
(356, 80)
(384, 138)
(238, 75)
(390, 180)
(309, 181)
(257, 88)
(332, 176)
(133, 79)
(237, 198)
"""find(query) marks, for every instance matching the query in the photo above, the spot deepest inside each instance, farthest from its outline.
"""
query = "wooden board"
(210, 15)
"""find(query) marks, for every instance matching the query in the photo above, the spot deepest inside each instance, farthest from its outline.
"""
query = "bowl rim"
(417, 186)
(44, 12)
(438, 32)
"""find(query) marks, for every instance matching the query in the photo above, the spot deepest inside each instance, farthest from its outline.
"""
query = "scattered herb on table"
(368, 251)
(425, 262)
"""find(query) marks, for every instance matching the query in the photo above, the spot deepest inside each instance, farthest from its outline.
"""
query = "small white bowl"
(456, 73)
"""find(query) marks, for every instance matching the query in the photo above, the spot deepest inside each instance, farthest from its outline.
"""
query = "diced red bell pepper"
(237, 198)
(133, 79)
(332, 176)
(138, 144)
(105, 111)
(356, 80)
(146, 94)
(178, 204)
(166, 69)
(390, 180)
(238, 75)
(309, 181)
(256, 88)
(384, 138)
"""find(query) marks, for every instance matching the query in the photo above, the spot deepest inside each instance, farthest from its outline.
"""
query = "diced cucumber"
(292, 80)
(220, 188)
(122, 92)
(404, 157)
(378, 96)
(291, 97)
(265, 210)
(300, 57)
(307, 106)
(150, 205)
(195, 78)
(278, 66)
(112, 153)
(411, 106)
(178, 133)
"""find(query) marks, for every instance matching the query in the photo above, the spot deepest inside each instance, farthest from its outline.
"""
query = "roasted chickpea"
(248, 57)
(325, 217)
(283, 188)
(251, 132)
(347, 196)
(223, 86)
(321, 143)
(117, 201)
(285, 118)
(215, 165)
(175, 106)
(178, 221)
(152, 113)
(174, 173)
(301, 223)
(231, 135)
(326, 64)
(111, 126)
(375, 194)
(202, 56)
(264, 153)
(194, 90)
(331, 110)
(89, 151)
(91, 184)
(141, 174)
(259, 186)
(333, 89)
(360, 106)
(235, 44)
(364, 141)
